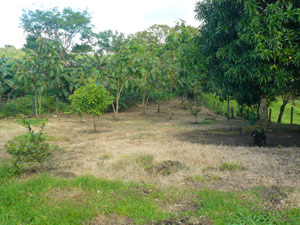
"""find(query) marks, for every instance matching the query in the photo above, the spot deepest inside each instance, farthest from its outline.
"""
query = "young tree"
(117, 74)
(92, 99)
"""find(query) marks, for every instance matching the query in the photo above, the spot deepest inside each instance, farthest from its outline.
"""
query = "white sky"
(127, 16)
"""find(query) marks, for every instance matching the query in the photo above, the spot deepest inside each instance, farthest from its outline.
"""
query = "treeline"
(246, 50)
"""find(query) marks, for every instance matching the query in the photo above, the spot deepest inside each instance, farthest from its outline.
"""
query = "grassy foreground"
(43, 199)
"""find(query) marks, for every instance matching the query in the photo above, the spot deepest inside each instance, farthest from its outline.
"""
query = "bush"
(27, 151)
(24, 106)
(194, 110)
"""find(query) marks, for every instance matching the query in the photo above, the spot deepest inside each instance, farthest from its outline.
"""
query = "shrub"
(24, 106)
(195, 109)
(30, 150)
(92, 99)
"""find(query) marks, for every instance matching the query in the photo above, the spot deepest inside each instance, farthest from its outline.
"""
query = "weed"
(204, 178)
(231, 167)
(145, 161)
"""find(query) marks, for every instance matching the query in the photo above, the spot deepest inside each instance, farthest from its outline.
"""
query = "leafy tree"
(7, 81)
(275, 34)
(108, 42)
(38, 69)
(118, 73)
(92, 99)
(236, 40)
(11, 52)
(65, 26)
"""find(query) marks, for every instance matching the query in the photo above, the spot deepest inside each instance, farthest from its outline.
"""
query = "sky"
(127, 16)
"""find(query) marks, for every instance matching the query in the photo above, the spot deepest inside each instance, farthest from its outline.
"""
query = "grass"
(204, 178)
(231, 167)
(42, 199)
(275, 106)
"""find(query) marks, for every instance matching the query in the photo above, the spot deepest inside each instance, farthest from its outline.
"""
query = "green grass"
(275, 106)
(236, 208)
(231, 167)
(42, 199)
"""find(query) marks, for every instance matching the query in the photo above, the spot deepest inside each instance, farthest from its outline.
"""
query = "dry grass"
(114, 151)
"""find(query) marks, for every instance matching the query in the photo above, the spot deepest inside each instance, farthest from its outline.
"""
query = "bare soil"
(128, 148)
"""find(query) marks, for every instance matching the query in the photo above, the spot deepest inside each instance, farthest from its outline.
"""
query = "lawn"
(146, 169)
(275, 106)
(43, 199)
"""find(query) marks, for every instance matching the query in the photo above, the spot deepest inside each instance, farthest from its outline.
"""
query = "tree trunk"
(170, 103)
(144, 102)
(94, 123)
(264, 105)
(228, 107)
(40, 103)
(285, 101)
(35, 103)
(158, 106)
(184, 97)
(57, 105)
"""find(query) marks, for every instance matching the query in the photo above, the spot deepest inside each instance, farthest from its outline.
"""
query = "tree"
(109, 42)
(38, 69)
(118, 73)
(65, 26)
(92, 99)
(237, 38)
(7, 81)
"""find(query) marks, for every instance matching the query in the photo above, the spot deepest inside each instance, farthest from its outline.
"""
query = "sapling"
(29, 150)
(195, 109)
(92, 99)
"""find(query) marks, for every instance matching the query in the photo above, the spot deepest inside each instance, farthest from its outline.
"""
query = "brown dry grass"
(116, 150)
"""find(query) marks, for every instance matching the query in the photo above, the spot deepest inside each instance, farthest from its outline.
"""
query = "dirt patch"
(110, 220)
(165, 168)
(186, 221)
(64, 174)
(235, 137)
(274, 197)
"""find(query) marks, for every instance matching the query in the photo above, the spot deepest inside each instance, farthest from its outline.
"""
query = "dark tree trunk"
(285, 100)
(264, 105)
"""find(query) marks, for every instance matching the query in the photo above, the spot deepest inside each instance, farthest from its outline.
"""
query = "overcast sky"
(127, 16)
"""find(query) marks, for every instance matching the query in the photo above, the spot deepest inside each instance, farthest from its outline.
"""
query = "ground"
(149, 148)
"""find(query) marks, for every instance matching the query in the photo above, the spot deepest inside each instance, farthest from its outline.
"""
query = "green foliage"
(11, 52)
(92, 99)
(195, 108)
(251, 47)
(63, 26)
(252, 119)
(27, 151)
(32, 121)
(24, 106)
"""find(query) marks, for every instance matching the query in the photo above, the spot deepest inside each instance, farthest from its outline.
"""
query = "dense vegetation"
(245, 50)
